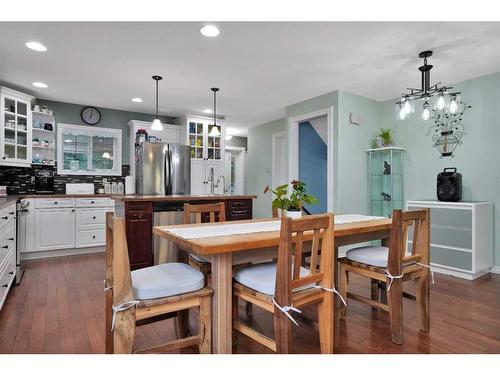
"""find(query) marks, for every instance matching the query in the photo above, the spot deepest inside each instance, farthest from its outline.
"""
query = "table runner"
(228, 229)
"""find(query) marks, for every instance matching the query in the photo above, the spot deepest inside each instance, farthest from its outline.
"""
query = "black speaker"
(449, 185)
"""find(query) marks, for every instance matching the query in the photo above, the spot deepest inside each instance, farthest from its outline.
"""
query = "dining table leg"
(222, 303)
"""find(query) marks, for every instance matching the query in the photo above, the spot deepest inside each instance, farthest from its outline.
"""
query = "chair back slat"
(199, 209)
(401, 222)
(297, 262)
(317, 229)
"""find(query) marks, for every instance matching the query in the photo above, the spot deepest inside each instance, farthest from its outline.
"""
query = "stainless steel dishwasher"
(167, 213)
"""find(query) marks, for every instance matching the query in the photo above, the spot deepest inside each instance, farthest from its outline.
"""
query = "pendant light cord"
(215, 108)
(156, 98)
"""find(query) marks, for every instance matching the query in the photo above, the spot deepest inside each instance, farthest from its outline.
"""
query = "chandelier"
(440, 94)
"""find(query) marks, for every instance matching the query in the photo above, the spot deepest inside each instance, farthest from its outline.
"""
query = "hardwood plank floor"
(59, 308)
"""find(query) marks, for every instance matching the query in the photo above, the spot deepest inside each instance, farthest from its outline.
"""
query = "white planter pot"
(293, 214)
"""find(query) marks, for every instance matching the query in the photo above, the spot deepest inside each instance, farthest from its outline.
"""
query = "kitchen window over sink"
(88, 150)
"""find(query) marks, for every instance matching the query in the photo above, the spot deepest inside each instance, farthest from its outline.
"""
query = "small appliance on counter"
(449, 185)
(44, 181)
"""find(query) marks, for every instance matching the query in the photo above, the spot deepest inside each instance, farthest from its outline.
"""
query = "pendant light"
(214, 132)
(157, 123)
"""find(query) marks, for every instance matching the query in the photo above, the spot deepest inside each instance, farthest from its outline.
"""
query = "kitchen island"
(142, 212)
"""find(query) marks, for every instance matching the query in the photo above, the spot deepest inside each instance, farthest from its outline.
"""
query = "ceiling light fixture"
(214, 132)
(209, 31)
(35, 46)
(207, 111)
(156, 125)
(40, 85)
(406, 105)
(137, 100)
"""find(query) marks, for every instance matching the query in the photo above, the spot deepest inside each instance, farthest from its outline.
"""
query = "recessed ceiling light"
(137, 100)
(210, 31)
(40, 84)
(35, 46)
(208, 110)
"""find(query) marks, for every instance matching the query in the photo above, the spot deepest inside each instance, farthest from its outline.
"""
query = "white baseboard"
(495, 269)
(62, 253)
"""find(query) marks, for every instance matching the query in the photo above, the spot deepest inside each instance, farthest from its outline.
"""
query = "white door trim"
(273, 171)
(293, 149)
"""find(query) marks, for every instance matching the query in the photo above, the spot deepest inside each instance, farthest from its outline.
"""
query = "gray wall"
(110, 118)
(259, 165)
(237, 142)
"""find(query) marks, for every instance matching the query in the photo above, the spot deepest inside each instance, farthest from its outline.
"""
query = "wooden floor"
(59, 308)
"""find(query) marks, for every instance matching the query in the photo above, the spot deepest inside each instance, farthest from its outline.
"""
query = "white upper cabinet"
(15, 128)
(86, 150)
(169, 134)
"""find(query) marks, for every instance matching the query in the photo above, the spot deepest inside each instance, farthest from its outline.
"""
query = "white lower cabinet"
(200, 174)
(70, 223)
(7, 251)
(55, 228)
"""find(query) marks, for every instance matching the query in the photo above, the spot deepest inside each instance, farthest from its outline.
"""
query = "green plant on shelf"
(383, 139)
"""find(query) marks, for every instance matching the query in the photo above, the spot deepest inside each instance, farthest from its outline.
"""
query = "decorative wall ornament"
(448, 129)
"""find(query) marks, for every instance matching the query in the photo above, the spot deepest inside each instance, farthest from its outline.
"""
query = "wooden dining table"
(224, 252)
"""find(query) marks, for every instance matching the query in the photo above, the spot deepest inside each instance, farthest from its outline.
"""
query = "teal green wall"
(259, 164)
(69, 113)
(478, 158)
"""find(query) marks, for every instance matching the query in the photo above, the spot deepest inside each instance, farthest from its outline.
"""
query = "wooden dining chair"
(284, 286)
(394, 265)
(148, 295)
(213, 211)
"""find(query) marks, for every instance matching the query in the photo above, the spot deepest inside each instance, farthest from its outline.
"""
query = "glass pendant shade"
(426, 113)
(156, 125)
(407, 107)
(441, 103)
(453, 105)
(214, 132)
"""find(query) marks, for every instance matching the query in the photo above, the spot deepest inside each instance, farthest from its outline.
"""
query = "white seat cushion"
(262, 277)
(199, 258)
(371, 255)
(164, 280)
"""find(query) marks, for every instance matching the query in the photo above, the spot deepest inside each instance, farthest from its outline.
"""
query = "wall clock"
(91, 115)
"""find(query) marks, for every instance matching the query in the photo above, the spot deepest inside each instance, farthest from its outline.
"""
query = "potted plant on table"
(289, 202)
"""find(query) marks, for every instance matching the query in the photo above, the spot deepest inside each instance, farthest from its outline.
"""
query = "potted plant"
(383, 139)
(290, 203)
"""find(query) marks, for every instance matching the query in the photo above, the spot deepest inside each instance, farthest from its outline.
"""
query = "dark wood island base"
(138, 212)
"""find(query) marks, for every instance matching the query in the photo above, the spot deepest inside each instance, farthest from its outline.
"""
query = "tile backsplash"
(22, 180)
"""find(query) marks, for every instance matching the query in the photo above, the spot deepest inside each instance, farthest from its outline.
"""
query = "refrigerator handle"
(168, 173)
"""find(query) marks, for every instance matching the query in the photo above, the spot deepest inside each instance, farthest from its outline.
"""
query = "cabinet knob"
(73, 210)
(55, 202)
(11, 239)
(92, 202)
(93, 237)
(5, 217)
(11, 213)
(5, 247)
(11, 272)
(93, 217)
(3, 157)
(5, 285)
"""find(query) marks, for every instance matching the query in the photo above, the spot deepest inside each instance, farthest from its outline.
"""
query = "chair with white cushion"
(393, 265)
(150, 294)
(286, 286)
(212, 212)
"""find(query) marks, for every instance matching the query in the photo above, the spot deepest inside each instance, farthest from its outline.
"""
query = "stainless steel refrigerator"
(163, 168)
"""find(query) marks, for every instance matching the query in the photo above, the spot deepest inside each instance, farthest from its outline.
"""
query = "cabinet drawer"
(451, 258)
(246, 203)
(7, 215)
(92, 202)
(54, 203)
(92, 237)
(136, 208)
(91, 217)
(7, 275)
(7, 243)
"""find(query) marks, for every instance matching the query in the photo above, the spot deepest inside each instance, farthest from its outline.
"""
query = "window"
(88, 150)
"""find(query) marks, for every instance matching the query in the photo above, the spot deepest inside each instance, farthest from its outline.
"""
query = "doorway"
(234, 171)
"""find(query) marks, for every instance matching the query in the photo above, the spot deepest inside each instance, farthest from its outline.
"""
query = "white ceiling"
(260, 67)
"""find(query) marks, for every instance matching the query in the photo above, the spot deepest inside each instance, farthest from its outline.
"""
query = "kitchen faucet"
(214, 184)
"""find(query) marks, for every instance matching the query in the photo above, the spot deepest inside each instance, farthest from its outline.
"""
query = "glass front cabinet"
(385, 180)
(15, 128)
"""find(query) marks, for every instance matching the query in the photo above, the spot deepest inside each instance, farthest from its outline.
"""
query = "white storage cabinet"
(461, 237)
